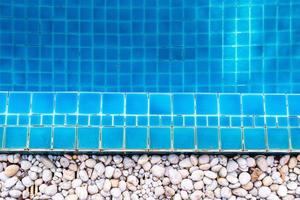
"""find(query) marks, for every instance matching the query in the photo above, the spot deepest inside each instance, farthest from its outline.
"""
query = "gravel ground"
(149, 177)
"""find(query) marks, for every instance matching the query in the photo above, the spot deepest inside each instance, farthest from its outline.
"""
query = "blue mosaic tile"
(161, 46)
(152, 122)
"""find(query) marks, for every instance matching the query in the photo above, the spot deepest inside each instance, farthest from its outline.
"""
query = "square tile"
(160, 138)
(112, 138)
(15, 137)
(184, 138)
(207, 138)
(136, 138)
(40, 138)
(64, 138)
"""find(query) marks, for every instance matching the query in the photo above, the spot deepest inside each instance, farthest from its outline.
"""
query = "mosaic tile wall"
(150, 45)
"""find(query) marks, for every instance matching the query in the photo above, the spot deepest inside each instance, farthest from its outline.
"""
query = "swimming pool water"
(85, 121)
(150, 75)
(150, 45)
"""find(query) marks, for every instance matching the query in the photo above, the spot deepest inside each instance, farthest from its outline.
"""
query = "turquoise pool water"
(96, 121)
(149, 75)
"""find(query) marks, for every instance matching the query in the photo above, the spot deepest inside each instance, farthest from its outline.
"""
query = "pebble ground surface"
(195, 177)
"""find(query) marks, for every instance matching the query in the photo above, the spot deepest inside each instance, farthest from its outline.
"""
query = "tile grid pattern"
(150, 46)
(149, 121)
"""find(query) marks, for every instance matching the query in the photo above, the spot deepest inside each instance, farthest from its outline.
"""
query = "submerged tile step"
(94, 121)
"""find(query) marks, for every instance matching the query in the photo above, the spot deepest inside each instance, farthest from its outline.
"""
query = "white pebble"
(244, 178)
(109, 171)
(232, 166)
(51, 190)
(203, 159)
(175, 176)
(173, 158)
(282, 191)
(264, 192)
(185, 163)
(187, 184)
(81, 192)
(158, 171)
(262, 164)
(15, 193)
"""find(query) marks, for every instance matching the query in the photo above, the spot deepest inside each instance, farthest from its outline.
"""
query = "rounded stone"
(158, 171)
(282, 191)
(203, 159)
(11, 170)
(244, 178)
(264, 192)
(82, 193)
(187, 184)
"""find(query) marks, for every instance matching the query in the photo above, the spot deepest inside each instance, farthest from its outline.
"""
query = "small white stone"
(158, 171)
(92, 189)
(264, 192)
(198, 185)
(293, 162)
(133, 180)
(115, 192)
(147, 166)
(298, 190)
(25, 194)
(109, 171)
(83, 175)
(267, 181)
(68, 175)
(15, 193)
(185, 163)
(122, 185)
(99, 168)
(282, 191)
(232, 179)
(239, 192)
(226, 192)
(203, 159)
(64, 162)
(90, 163)
(197, 175)
(223, 172)
(175, 176)
(25, 165)
(51, 190)
(143, 159)
(118, 159)
(128, 163)
(184, 194)
(196, 195)
(251, 162)
(27, 182)
(47, 162)
(242, 162)
(47, 175)
(262, 164)
(244, 178)
(10, 182)
(106, 185)
(81, 192)
(210, 174)
(173, 158)
(284, 160)
(214, 162)
(158, 191)
(187, 184)
(58, 196)
(71, 197)
(292, 185)
(232, 166)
